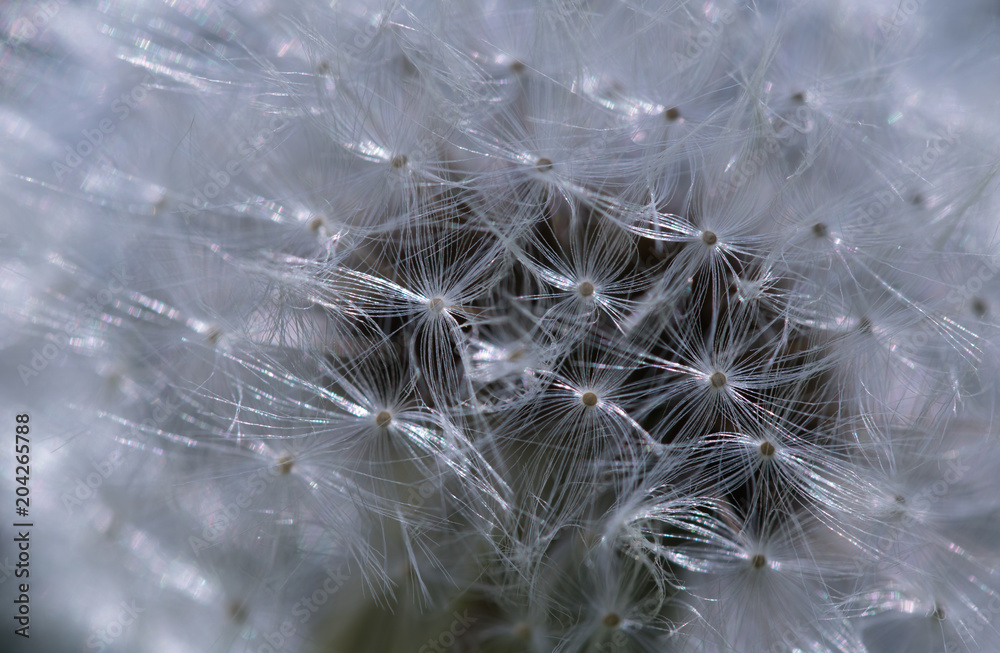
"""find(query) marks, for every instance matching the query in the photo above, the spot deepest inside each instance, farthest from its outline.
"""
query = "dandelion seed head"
(586, 388)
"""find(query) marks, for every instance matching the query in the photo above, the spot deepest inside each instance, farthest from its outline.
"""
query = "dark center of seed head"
(586, 289)
(709, 238)
(820, 230)
(611, 620)
(766, 449)
(383, 418)
(399, 161)
(543, 164)
(718, 379)
(589, 399)
(672, 114)
(758, 561)
(237, 611)
(979, 306)
(285, 464)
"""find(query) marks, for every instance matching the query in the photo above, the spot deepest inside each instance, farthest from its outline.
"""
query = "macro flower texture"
(501, 326)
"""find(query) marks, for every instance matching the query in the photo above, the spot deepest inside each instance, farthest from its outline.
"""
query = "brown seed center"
(543, 164)
(757, 561)
(709, 238)
(718, 379)
(589, 399)
(285, 464)
(383, 418)
(672, 114)
(766, 449)
(611, 620)
(399, 161)
(586, 289)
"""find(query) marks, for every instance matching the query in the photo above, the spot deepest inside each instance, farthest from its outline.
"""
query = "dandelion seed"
(979, 307)
(766, 449)
(383, 418)
(718, 379)
(237, 611)
(589, 399)
(709, 238)
(611, 620)
(672, 114)
(285, 464)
